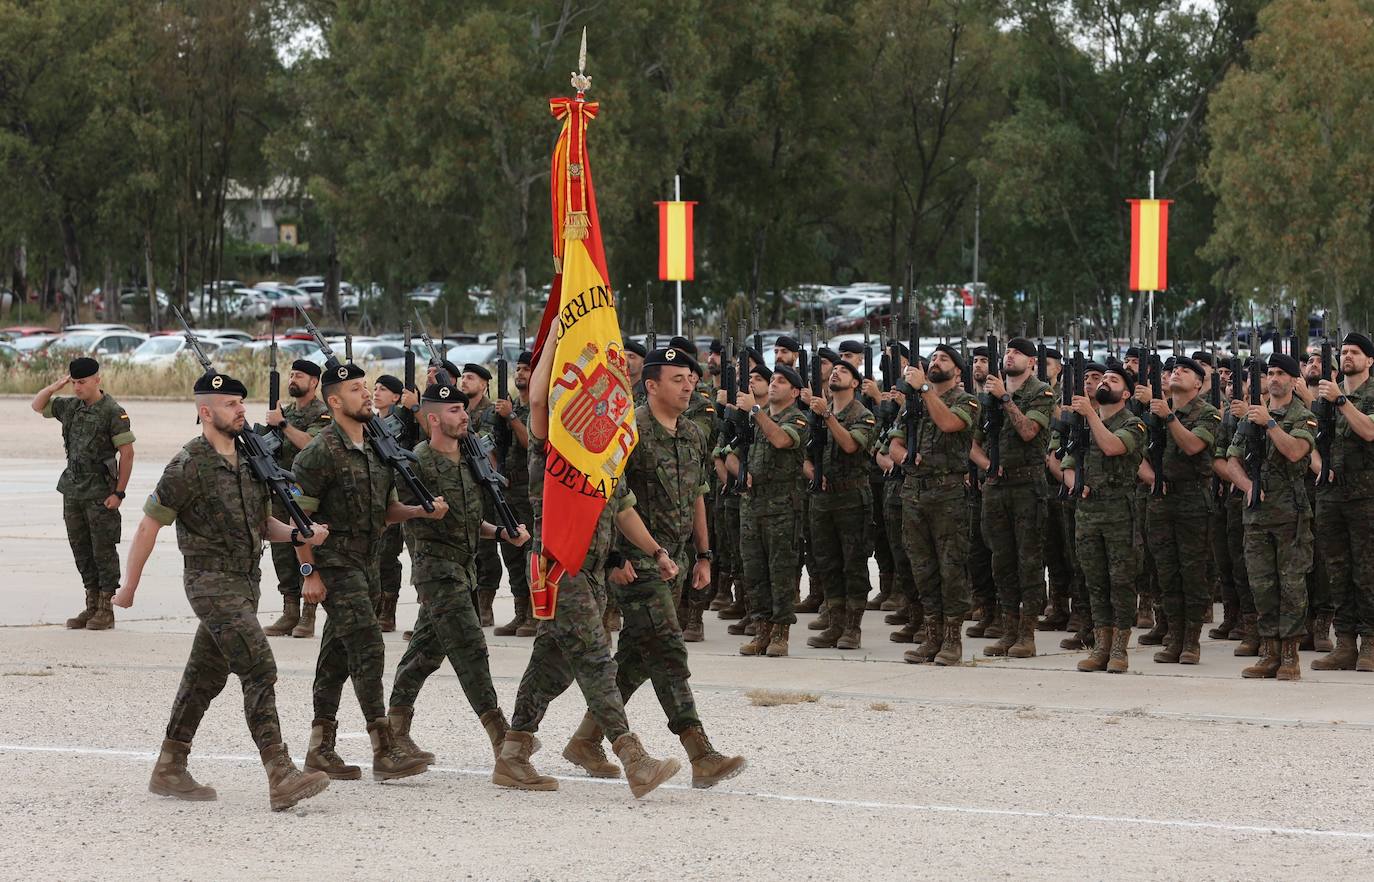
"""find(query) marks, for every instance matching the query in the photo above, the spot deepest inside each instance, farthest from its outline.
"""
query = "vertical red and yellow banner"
(676, 260)
(591, 406)
(1149, 244)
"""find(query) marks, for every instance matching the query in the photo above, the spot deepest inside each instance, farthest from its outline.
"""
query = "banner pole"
(677, 197)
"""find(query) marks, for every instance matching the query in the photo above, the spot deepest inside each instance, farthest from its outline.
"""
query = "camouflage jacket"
(1202, 419)
(454, 538)
(775, 473)
(220, 511)
(91, 434)
(1035, 399)
(941, 453)
(516, 467)
(1284, 499)
(348, 488)
(311, 420)
(1352, 457)
(846, 474)
(1111, 478)
(666, 472)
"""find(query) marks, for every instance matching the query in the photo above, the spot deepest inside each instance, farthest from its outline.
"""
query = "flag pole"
(1151, 297)
(677, 197)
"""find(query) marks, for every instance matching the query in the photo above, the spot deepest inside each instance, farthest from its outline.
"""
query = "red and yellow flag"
(1149, 244)
(591, 407)
(676, 262)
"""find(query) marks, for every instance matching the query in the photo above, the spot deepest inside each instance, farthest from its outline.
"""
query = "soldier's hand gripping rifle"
(257, 449)
(383, 443)
(1256, 440)
(820, 434)
(1079, 428)
(993, 415)
(887, 411)
(1326, 420)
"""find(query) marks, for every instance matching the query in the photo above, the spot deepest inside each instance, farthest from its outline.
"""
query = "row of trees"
(826, 141)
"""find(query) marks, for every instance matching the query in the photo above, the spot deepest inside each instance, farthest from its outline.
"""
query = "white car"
(165, 350)
(96, 343)
(289, 295)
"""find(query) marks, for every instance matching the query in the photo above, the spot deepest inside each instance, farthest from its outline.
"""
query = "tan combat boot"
(1321, 632)
(814, 600)
(1024, 647)
(585, 751)
(494, 722)
(906, 634)
(306, 626)
(386, 617)
(709, 766)
(170, 777)
(389, 761)
(1173, 646)
(1267, 666)
(529, 626)
(1192, 645)
(996, 626)
(1056, 615)
(895, 600)
(852, 637)
(321, 757)
(823, 621)
(759, 645)
(643, 771)
(835, 622)
(724, 595)
(513, 768)
(1290, 666)
(1342, 658)
(521, 610)
(902, 614)
(695, 629)
(884, 592)
(79, 620)
(400, 718)
(952, 647)
(286, 784)
(1144, 613)
(485, 598)
(987, 615)
(1101, 654)
(103, 617)
(1120, 661)
(1011, 629)
(1159, 634)
(1365, 662)
(1249, 636)
(777, 642)
(929, 647)
(1230, 617)
(290, 615)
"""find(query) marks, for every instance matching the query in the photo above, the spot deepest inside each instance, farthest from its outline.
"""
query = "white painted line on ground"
(1118, 820)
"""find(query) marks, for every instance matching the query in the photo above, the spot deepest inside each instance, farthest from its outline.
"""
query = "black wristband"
(119, 494)
(296, 537)
(497, 530)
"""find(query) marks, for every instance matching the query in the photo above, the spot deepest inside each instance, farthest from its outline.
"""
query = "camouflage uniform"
(220, 511)
(447, 626)
(91, 434)
(1177, 531)
(903, 582)
(770, 520)
(1014, 510)
(517, 472)
(573, 645)
(1107, 522)
(1231, 545)
(842, 513)
(311, 419)
(1278, 538)
(935, 510)
(394, 539)
(483, 425)
(877, 526)
(666, 473)
(702, 412)
(1344, 512)
(348, 488)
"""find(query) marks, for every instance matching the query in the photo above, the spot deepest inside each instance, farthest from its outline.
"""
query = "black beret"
(1134, 352)
(716, 346)
(444, 393)
(980, 352)
(1051, 352)
(1184, 361)
(212, 383)
(904, 349)
(478, 369)
(680, 342)
(83, 367)
(1023, 346)
(451, 369)
(343, 373)
(1090, 367)
(306, 366)
(854, 372)
(672, 357)
(1286, 363)
(752, 353)
(953, 354)
(1203, 357)
(789, 375)
(788, 343)
(1352, 339)
(636, 348)
(391, 384)
(1127, 377)
(853, 346)
(525, 357)
(828, 354)
(762, 370)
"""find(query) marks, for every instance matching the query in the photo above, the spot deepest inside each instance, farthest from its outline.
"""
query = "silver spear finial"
(580, 81)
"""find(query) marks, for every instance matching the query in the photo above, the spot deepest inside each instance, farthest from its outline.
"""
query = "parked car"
(164, 351)
(8, 354)
(96, 343)
(871, 310)
(14, 332)
(33, 344)
(289, 295)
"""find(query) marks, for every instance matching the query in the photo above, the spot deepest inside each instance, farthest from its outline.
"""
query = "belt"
(444, 552)
(845, 486)
(241, 565)
(935, 482)
(1018, 474)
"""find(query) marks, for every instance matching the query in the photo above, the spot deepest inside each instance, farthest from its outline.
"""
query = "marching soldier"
(516, 470)
(222, 515)
(386, 398)
(1278, 540)
(346, 485)
(298, 421)
(99, 444)
(475, 382)
(701, 411)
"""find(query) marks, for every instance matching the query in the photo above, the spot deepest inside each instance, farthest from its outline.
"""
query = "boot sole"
(507, 781)
(184, 797)
(353, 775)
(670, 768)
(313, 789)
(391, 776)
(713, 780)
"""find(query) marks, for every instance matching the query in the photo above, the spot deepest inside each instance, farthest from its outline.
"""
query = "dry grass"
(775, 697)
(35, 673)
(880, 706)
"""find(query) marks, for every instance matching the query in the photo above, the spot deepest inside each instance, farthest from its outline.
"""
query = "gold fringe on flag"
(576, 225)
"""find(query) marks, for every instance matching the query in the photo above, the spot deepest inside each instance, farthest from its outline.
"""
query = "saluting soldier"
(516, 471)
(99, 444)
(223, 516)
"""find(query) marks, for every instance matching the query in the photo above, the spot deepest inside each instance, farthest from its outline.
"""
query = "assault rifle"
(1326, 419)
(1256, 442)
(503, 434)
(915, 407)
(969, 385)
(258, 447)
(744, 425)
(820, 434)
(1159, 432)
(993, 415)
(273, 384)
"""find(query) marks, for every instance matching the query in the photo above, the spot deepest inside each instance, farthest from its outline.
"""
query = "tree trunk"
(154, 313)
(332, 306)
(110, 291)
(71, 270)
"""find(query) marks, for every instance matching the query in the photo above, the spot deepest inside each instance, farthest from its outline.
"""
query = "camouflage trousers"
(572, 646)
(1014, 529)
(1277, 558)
(1058, 547)
(1343, 534)
(1319, 597)
(768, 550)
(284, 561)
(1177, 538)
(1108, 536)
(447, 628)
(651, 648)
(389, 560)
(935, 533)
(228, 640)
(841, 542)
(93, 533)
(351, 645)
(517, 559)
(877, 528)
(1078, 585)
(903, 582)
(1235, 545)
(726, 543)
(488, 565)
(1226, 574)
(981, 584)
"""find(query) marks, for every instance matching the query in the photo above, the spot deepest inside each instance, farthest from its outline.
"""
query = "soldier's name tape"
(920, 808)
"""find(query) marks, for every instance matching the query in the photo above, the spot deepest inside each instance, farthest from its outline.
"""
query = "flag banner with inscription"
(1149, 244)
(676, 262)
(591, 406)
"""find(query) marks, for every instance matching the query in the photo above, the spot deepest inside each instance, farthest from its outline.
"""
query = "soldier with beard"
(516, 470)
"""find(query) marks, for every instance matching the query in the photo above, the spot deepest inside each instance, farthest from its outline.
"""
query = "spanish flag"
(1149, 244)
(591, 406)
(676, 262)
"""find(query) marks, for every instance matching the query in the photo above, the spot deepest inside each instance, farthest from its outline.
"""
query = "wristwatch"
(925, 387)
(1341, 400)
(1006, 398)
(119, 494)
(1170, 417)
(661, 551)
(307, 570)
(755, 409)
(1272, 424)
(708, 554)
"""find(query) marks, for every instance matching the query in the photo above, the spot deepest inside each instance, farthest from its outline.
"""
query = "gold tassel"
(576, 225)
(557, 265)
